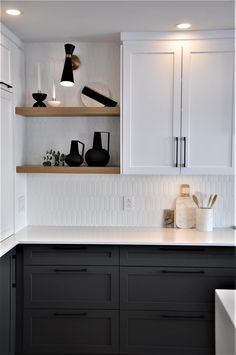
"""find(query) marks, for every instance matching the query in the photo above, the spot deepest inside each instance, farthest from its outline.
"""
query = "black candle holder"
(39, 98)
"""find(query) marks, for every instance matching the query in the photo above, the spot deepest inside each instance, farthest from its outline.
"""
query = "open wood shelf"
(68, 111)
(40, 169)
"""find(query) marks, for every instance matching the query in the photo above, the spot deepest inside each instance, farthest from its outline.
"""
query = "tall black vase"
(97, 156)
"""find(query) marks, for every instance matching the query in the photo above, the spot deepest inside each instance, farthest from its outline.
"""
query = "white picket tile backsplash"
(97, 200)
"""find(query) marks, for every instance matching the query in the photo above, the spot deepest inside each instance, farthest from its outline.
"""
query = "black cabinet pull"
(72, 247)
(177, 249)
(182, 272)
(176, 151)
(175, 316)
(7, 85)
(70, 314)
(70, 270)
(184, 163)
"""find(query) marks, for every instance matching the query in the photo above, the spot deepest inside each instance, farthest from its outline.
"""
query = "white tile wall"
(88, 200)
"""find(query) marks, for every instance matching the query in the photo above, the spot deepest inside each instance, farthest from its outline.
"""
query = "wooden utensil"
(195, 199)
(209, 201)
(213, 200)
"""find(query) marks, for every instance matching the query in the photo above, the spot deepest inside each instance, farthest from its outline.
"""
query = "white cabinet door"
(6, 66)
(7, 171)
(151, 108)
(207, 111)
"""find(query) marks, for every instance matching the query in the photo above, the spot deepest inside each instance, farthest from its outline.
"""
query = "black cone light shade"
(67, 78)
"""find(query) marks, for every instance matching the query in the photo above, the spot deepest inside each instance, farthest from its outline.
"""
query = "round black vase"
(39, 98)
(97, 157)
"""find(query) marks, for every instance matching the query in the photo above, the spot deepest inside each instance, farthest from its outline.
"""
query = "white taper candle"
(53, 90)
(39, 76)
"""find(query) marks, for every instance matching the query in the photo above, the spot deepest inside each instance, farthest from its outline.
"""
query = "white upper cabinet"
(6, 166)
(6, 61)
(151, 107)
(207, 112)
(177, 108)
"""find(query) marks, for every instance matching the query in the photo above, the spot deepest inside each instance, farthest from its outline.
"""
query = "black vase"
(74, 158)
(97, 156)
(39, 98)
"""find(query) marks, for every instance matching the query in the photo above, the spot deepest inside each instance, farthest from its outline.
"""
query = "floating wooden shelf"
(40, 169)
(68, 111)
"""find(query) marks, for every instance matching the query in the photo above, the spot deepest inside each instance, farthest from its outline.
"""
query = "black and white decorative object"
(97, 95)
(39, 96)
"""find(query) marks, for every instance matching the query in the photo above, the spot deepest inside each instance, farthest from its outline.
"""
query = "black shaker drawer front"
(172, 288)
(68, 332)
(71, 255)
(196, 256)
(166, 333)
(71, 286)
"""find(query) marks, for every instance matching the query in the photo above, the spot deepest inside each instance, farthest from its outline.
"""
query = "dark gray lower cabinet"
(167, 333)
(7, 303)
(71, 331)
(155, 300)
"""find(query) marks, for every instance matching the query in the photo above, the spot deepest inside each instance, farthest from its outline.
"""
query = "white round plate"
(98, 87)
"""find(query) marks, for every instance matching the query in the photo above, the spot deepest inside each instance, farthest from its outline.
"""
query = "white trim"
(176, 36)
(11, 36)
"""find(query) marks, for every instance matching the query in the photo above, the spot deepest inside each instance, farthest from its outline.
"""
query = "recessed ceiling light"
(183, 26)
(13, 12)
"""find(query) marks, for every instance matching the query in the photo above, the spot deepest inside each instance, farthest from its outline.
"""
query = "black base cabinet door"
(189, 289)
(7, 304)
(71, 287)
(71, 332)
(166, 333)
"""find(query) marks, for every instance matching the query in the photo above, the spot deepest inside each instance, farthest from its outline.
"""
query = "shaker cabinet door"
(6, 59)
(71, 287)
(208, 99)
(166, 333)
(6, 166)
(79, 331)
(151, 108)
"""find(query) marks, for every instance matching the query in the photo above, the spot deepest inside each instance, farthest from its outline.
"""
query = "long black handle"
(177, 249)
(7, 85)
(72, 247)
(70, 270)
(175, 316)
(13, 271)
(176, 151)
(184, 163)
(182, 272)
(70, 314)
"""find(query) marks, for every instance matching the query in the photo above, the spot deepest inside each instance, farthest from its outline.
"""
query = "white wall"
(97, 199)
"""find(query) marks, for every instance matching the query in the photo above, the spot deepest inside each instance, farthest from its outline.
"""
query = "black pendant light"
(67, 78)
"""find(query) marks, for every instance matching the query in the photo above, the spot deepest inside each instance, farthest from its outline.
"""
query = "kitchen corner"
(117, 181)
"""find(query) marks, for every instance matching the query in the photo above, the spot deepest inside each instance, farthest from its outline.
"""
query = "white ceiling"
(50, 21)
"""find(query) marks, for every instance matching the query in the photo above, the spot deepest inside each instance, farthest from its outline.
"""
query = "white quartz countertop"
(118, 236)
(227, 298)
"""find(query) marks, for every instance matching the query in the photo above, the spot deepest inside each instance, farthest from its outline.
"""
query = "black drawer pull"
(182, 272)
(7, 85)
(72, 247)
(175, 316)
(181, 249)
(70, 270)
(70, 314)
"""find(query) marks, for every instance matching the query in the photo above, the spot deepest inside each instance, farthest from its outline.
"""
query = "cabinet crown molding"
(189, 35)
